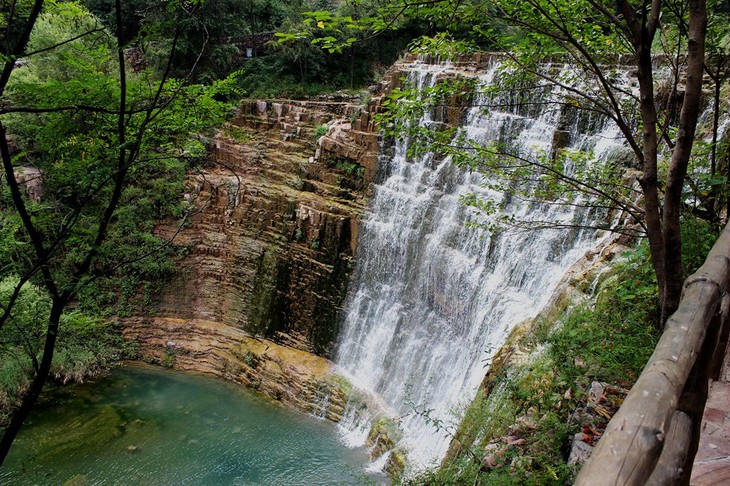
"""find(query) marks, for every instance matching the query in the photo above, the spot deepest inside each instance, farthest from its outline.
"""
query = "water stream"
(149, 426)
(432, 299)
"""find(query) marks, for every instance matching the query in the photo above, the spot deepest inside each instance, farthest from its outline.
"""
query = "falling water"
(431, 298)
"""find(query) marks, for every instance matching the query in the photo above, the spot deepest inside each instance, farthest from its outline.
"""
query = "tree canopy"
(111, 147)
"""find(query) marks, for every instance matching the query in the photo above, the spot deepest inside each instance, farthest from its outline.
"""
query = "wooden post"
(633, 441)
(694, 397)
(670, 467)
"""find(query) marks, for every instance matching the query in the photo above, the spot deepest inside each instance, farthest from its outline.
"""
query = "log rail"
(653, 437)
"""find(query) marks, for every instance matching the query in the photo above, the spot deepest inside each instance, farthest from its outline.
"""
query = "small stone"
(596, 390)
(579, 451)
(527, 422)
(521, 463)
(490, 461)
(493, 455)
(77, 480)
(513, 440)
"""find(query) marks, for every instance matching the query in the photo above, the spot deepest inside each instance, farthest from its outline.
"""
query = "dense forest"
(108, 108)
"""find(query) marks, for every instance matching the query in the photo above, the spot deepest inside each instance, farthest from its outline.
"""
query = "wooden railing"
(653, 437)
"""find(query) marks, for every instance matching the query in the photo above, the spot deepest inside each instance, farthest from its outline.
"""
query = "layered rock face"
(291, 376)
(270, 250)
(272, 243)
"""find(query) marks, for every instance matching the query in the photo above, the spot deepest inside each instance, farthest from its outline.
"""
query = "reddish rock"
(272, 242)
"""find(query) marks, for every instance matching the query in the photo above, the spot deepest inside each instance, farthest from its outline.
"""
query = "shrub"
(319, 132)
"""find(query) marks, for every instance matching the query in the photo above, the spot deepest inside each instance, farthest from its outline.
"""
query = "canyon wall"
(270, 249)
(273, 238)
(271, 245)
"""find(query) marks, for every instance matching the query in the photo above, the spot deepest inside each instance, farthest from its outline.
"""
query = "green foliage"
(444, 46)
(304, 70)
(251, 360)
(343, 384)
(14, 380)
(323, 28)
(347, 166)
(209, 35)
(239, 134)
(76, 150)
(321, 48)
(168, 359)
(320, 132)
(698, 236)
(13, 17)
(12, 247)
(85, 345)
(203, 31)
(25, 326)
(353, 22)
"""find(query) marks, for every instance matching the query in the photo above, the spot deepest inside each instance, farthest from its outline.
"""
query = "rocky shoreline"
(293, 377)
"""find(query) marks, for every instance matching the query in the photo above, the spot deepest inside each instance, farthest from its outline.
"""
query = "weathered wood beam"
(632, 444)
(670, 467)
(719, 357)
(694, 396)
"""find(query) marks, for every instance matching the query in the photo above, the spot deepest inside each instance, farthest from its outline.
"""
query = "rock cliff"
(272, 241)
(270, 248)
(291, 376)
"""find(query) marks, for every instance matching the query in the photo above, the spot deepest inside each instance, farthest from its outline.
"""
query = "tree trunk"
(649, 180)
(680, 157)
(29, 400)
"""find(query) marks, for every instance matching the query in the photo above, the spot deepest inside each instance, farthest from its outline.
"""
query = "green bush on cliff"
(76, 154)
(320, 132)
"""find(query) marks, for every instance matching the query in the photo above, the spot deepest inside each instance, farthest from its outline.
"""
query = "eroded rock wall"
(271, 245)
(291, 376)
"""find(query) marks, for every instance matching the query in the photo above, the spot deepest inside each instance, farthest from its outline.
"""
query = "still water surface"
(143, 425)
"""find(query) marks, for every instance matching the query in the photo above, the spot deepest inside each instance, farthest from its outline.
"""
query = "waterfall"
(431, 298)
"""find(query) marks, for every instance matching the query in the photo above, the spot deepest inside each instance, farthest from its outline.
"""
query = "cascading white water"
(432, 299)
